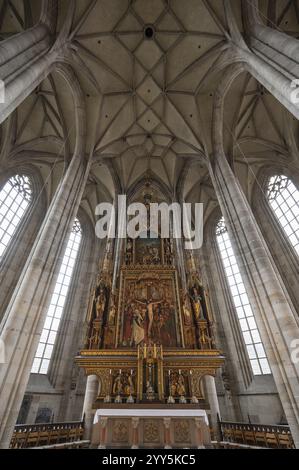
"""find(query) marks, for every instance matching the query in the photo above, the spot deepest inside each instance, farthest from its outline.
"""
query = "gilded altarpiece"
(150, 339)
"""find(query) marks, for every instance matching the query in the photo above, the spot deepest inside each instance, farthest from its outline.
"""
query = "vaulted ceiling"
(149, 70)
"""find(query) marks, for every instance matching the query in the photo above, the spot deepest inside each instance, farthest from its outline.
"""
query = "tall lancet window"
(283, 197)
(15, 198)
(252, 339)
(55, 311)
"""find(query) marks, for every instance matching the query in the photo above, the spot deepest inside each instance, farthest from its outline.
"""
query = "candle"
(120, 371)
(169, 373)
(180, 371)
(190, 372)
(110, 372)
(131, 371)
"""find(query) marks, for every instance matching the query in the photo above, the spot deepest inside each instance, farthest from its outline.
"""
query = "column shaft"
(91, 393)
(211, 395)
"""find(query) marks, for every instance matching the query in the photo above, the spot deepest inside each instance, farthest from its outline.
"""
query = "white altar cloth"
(150, 413)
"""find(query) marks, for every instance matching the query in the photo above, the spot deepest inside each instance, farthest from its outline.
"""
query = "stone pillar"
(25, 59)
(135, 433)
(211, 396)
(91, 393)
(277, 322)
(274, 57)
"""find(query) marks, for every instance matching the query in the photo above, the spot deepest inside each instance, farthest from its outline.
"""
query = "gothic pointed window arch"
(15, 198)
(283, 197)
(254, 346)
(55, 311)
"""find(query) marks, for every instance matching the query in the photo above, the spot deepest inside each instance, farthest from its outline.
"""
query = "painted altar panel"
(149, 309)
(148, 251)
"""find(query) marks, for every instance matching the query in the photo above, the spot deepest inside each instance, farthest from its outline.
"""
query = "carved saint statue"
(196, 301)
(168, 257)
(100, 305)
(112, 313)
(173, 388)
(181, 389)
(186, 310)
(117, 385)
(129, 386)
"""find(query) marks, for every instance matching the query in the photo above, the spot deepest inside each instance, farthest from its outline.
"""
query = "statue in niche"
(129, 388)
(112, 313)
(197, 304)
(186, 310)
(117, 388)
(181, 389)
(177, 385)
(168, 256)
(100, 303)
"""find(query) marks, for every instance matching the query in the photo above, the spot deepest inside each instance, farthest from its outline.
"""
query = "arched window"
(45, 348)
(15, 198)
(252, 339)
(283, 197)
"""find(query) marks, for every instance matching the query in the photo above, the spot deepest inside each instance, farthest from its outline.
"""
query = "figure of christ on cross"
(150, 313)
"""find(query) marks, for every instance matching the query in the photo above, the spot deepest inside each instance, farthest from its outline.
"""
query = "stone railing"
(40, 435)
(256, 435)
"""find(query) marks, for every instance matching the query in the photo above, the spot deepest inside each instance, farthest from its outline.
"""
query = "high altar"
(150, 341)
